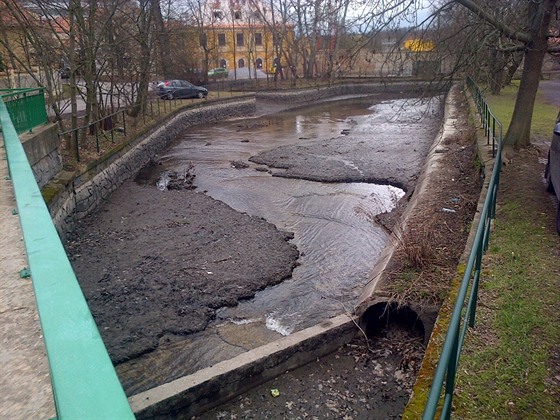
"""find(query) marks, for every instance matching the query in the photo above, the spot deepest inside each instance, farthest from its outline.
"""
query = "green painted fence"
(84, 382)
(464, 310)
(26, 107)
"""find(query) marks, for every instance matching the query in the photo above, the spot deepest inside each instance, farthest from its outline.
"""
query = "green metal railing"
(491, 125)
(98, 128)
(26, 107)
(83, 379)
(464, 311)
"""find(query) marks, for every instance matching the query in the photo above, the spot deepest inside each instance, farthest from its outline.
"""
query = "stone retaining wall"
(83, 194)
(313, 95)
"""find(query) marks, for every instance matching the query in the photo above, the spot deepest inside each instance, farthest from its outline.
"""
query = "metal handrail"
(463, 315)
(492, 127)
(84, 381)
(26, 107)
(94, 125)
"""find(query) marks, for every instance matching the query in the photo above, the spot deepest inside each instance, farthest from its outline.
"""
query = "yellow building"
(242, 34)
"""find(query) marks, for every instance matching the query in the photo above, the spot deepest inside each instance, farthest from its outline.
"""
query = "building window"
(259, 63)
(218, 14)
(223, 63)
(222, 40)
(237, 14)
(203, 40)
(240, 40)
(241, 63)
(258, 39)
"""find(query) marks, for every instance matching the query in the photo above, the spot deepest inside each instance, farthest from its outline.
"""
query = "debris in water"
(171, 180)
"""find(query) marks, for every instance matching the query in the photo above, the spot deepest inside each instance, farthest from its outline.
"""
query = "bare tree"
(487, 39)
(162, 40)
(33, 49)
(531, 38)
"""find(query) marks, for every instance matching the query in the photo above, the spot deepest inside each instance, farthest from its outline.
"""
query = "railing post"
(96, 138)
(75, 135)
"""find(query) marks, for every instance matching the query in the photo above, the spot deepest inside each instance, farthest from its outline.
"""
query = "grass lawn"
(543, 113)
(509, 368)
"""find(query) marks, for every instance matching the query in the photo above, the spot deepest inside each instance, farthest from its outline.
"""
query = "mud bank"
(156, 266)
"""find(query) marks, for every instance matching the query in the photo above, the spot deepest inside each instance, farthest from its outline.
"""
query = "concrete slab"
(24, 373)
(194, 394)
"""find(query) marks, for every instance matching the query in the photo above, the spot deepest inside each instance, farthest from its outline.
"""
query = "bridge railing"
(26, 107)
(84, 381)
(463, 315)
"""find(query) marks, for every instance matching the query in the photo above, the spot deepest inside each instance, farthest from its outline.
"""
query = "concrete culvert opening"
(384, 319)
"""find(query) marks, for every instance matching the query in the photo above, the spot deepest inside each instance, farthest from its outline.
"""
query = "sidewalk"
(24, 374)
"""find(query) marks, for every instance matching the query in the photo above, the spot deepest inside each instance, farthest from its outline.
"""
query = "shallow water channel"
(333, 223)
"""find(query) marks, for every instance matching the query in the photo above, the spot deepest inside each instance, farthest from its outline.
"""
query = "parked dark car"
(552, 171)
(179, 89)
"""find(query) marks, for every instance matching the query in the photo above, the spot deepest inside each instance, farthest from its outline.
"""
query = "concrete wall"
(41, 148)
(312, 95)
(191, 395)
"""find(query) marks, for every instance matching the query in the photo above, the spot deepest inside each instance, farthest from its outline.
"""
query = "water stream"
(332, 222)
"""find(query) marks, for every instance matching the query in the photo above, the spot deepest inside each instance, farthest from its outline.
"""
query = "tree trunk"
(72, 139)
(519, 131)
(162, 40)
(144, 39)
(515, 61)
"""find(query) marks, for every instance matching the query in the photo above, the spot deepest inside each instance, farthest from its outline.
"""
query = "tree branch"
(504, 29)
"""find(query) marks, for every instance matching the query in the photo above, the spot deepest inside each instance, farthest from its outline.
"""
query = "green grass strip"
(544, 114)
(505, 367)
(503, 370)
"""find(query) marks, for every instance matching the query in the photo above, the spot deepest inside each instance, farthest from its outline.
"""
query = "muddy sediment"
(155, 266)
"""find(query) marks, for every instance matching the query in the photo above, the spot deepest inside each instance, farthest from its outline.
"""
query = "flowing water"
(333, 223)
